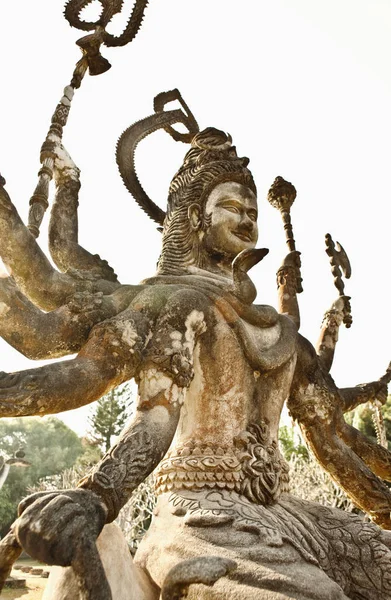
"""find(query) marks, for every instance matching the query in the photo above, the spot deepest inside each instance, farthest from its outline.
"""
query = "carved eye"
(231, 208)
(252, 215)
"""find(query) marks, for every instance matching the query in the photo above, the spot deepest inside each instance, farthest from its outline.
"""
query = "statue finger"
(29, 500)
(51, 533)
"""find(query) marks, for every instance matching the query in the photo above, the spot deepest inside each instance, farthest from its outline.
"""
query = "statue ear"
(194, 214)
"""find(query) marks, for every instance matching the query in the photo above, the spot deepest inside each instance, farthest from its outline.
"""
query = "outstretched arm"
(366, 392)
(111, 356)
(40, 335)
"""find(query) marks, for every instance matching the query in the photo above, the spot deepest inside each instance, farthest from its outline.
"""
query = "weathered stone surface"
(213, 371)
(126, 580)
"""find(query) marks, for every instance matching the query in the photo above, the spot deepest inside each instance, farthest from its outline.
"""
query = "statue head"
(212, 211)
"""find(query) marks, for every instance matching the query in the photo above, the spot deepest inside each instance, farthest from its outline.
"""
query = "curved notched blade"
(343, 260)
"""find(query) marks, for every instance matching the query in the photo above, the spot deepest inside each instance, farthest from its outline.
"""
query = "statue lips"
(243, 235)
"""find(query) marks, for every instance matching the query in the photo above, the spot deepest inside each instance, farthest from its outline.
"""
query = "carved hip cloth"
(290, 549)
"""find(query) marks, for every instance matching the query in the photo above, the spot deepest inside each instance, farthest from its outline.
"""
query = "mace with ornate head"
(282, 195)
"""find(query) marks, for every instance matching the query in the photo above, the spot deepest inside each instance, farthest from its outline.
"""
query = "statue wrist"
(105, 496)
(288, 278)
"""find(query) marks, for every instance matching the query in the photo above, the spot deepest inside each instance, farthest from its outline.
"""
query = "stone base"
(15, 584)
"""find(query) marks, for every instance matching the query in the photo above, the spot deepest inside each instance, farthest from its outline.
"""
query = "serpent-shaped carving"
(128, 141)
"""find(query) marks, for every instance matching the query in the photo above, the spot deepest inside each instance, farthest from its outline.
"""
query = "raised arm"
(328, 338)
(288, 283)
(30, 268)
(64, 246)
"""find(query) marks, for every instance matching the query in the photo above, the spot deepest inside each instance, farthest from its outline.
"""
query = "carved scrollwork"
(266, 473)
(253, 466)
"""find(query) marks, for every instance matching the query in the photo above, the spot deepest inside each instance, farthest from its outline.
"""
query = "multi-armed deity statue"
(213, 371)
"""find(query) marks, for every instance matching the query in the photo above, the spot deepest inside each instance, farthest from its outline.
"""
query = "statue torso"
(243, 362)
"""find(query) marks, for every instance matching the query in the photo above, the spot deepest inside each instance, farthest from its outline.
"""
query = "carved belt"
(253, 466)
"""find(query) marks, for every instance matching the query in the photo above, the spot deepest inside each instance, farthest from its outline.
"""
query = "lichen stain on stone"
(154, 382)
(175, 335)
(4, 308)
(159, 415)
(195, 325)
(3, 273)
(64, 161)
(129, 335)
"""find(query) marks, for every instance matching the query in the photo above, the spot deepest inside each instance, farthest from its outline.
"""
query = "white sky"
(303, 86)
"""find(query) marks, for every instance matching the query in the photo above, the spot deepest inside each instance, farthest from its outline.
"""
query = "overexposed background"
(304, 88)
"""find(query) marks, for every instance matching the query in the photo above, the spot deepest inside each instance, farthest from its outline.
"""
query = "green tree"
(50, 447)
(291, 444)
(110, 415)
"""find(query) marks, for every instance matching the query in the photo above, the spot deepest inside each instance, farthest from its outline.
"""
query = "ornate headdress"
(212, 159)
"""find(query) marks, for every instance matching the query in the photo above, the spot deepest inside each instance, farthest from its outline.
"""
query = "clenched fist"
(54, 527)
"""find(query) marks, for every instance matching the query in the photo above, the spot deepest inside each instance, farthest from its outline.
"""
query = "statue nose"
(247, 222)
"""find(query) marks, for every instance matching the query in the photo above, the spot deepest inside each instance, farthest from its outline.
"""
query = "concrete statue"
(213, 370)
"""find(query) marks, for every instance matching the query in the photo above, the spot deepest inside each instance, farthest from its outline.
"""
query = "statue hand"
(64, 167)
(52, 526)
(375, 391)
(292, 259)
(87, 308)
(289, 273)
(342, 306)
(380, 391)
(342, 310)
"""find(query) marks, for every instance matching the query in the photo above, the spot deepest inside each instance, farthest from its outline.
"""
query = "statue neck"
(217, 264)
(193, 256)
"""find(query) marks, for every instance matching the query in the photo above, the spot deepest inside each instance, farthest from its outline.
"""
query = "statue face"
(232, 211)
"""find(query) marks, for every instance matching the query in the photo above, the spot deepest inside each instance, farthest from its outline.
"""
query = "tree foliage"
(50, 447)
(291, 444)
(109, 415)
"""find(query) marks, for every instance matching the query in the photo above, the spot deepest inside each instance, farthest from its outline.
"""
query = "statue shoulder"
(166, 301)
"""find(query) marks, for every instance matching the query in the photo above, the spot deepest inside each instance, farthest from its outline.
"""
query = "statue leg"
(63, 228)
(375, 456)
(264, 570)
